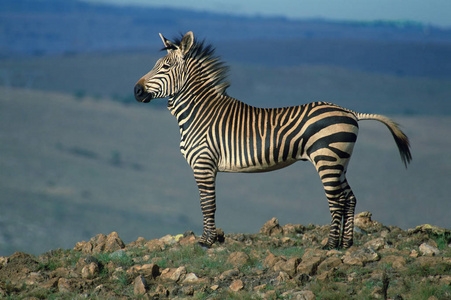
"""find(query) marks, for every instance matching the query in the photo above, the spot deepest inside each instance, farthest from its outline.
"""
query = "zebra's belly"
(256, 168)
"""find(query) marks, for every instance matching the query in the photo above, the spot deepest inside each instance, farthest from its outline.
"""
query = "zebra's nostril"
(138, 90)
(141, 94)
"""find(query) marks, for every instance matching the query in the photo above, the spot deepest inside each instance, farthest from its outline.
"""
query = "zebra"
(222, 134)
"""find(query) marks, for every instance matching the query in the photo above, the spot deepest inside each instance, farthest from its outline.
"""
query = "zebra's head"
(168, 75)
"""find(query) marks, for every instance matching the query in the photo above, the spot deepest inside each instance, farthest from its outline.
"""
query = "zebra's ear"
(168, 45)
(187, 42)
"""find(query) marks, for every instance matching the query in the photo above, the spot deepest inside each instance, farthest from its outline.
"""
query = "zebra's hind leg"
(342, 209)
(206, 184)
(348, 217)
(336, 207)
(334, 182)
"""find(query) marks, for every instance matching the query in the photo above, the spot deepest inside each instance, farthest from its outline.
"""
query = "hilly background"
(78, 155)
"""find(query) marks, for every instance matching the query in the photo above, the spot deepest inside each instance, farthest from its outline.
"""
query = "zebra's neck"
(204, 85)
(189, 104)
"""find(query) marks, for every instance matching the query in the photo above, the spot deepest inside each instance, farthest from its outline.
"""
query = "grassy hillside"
(74, 166)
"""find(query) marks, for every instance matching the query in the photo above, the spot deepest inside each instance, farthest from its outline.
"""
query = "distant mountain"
(46, 27)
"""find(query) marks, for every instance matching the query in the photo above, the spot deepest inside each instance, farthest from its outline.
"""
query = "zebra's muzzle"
(141, 95)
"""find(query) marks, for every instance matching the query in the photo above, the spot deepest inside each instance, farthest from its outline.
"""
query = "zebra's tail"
(402, 141)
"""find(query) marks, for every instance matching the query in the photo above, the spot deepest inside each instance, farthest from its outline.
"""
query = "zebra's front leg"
(206, 184)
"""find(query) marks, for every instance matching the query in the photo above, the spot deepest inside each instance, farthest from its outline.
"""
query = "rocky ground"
(280, 262)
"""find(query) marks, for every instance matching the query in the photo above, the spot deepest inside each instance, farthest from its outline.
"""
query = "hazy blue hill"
(114, 75)
(56, 27)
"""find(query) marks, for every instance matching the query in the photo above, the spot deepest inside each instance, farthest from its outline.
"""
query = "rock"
(271, 227)
(98, 243)
(271, 260)
(214, 287)
(237, 285)
(310, 238)
(101, 243)
(188, 290)
(64, 285)
(293, 229)
(269, 295)
(155, 245)
(152, 270)
(34, 278)
(303, 295)
(428, 250)
(376, 244)
(4, 261)
(138, 243)
(85, 247)
(397, 262)
(333, 252)
(229, 274)
(360, 256)
(329, 264)
(191, 278)
(377, 293)
(161, 290)
(188, 240)
(260, 287)
(173, 274)
(238, 259)
(63, 272)
(363, 221)
(286, 241)
(51, 283)
(414, 254)
(314, 252)
(309, 266)
(288, 266)
(90, 271)
(283, 277)
(171, 239)
(426, 228)
(445, 280)
(99, 289)
(325, 275)
(113, 243)
(220, 236)
(139, 286)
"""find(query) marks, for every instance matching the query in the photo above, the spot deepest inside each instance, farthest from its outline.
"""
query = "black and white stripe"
(222, 134)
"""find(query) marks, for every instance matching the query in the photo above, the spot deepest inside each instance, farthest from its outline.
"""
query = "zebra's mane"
(213, 68)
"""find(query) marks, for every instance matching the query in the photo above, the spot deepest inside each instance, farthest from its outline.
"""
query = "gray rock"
(271, 227)
(360, 256)
(139, 286)
(428, 250)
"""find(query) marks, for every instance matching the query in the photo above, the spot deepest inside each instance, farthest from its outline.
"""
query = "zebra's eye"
(165, 66)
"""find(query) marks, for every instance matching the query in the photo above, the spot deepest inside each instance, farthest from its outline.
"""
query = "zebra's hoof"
(347, 245)
(330, 246)
(204, 245)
